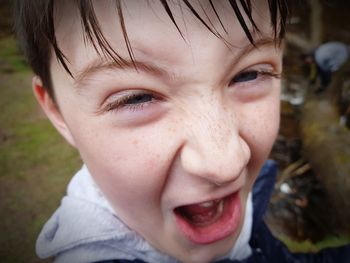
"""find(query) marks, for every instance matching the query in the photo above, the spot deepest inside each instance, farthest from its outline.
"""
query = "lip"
(222, 228)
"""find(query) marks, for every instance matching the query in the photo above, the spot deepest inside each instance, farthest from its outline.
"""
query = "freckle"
(135, 142)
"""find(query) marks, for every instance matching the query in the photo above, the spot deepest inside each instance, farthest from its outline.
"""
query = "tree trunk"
(316, 26)
(326, 146)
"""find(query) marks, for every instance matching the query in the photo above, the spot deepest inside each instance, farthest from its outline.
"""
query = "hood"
(86, 229)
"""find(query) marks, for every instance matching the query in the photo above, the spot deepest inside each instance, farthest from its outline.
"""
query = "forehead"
(152, 31)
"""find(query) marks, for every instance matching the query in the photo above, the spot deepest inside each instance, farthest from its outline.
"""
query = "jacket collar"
(262, 191)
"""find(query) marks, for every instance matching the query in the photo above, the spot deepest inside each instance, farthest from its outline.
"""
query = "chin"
(209, 252)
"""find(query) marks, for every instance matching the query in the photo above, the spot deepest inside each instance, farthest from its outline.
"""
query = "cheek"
(129, 167)
(260, 129)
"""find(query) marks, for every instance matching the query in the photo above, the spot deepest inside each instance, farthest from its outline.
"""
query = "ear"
(51, 109)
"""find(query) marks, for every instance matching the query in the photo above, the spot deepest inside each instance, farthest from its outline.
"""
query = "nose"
(214, 148)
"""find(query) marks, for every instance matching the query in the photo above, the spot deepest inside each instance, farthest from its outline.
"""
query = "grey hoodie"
(85, 229)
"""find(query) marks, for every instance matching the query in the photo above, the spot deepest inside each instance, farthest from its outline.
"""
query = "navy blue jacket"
(266, 248)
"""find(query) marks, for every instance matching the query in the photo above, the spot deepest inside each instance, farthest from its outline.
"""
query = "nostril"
(218, 157)
(245, 149)
(191, 160)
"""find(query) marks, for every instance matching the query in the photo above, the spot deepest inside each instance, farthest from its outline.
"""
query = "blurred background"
(309, 209)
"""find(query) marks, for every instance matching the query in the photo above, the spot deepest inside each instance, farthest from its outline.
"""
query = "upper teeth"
(207, 204)
(210, 203)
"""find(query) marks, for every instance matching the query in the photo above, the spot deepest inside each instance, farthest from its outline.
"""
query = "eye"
(252, 75)
(138, 99)
(245, 76)
(130, 100)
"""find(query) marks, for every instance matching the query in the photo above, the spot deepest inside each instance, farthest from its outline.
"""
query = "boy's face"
(176, 145)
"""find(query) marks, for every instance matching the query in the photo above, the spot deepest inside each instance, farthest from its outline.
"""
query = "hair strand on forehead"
(278, 11)
(283, 14)
(273, 13)
(125, 34)
(247, 7)
(241, 20)
(194, 12)
(52, 38)
(217, 15)
(94, 34)
(170, 14)
(36, 29)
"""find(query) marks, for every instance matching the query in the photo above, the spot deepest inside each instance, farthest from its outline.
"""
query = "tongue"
(198, 214)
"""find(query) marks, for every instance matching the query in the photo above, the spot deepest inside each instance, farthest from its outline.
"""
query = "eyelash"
(258, 73)
(122, 102)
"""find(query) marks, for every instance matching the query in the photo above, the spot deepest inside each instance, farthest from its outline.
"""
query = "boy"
(173, 107)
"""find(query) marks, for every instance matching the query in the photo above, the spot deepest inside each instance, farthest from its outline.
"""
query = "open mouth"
(210, 221)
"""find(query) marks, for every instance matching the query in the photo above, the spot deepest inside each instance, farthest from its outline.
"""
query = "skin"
(195, 136)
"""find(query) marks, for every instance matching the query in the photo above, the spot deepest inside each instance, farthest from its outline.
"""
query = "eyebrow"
(259, 43)
(99, 65)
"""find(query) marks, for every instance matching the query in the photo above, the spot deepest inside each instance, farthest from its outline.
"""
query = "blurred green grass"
(308, 247)
(10, 59)
(35, 162)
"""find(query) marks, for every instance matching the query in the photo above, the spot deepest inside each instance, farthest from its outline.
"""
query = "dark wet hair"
(35, 29)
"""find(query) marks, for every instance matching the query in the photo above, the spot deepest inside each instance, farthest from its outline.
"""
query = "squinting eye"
(251, 75)
(138, 99)
(245, 76)
(132, 101)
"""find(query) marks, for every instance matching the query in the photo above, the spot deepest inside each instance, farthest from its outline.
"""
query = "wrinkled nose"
(214, 148)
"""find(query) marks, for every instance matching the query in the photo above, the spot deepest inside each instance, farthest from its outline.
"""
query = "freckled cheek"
(130, 160)
(132, 182)
(260, 130)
